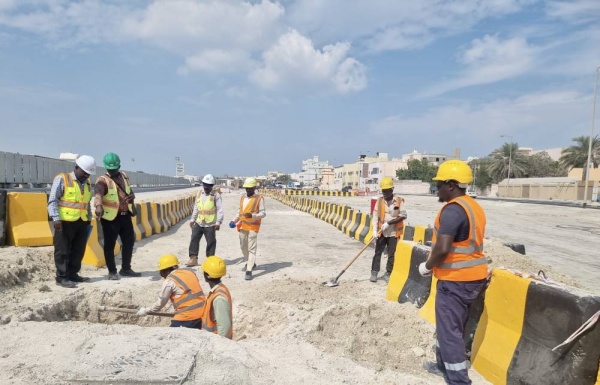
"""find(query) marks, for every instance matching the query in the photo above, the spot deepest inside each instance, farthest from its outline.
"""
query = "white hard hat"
(87, 164)
(208, 179)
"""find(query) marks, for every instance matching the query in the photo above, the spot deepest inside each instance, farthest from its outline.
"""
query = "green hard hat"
(111, 161)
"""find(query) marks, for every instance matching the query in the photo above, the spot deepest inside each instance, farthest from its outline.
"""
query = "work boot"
(246, 266)
(373, 276)
(192, 262)
(248, 276)
(65, 283)
(431, 367)
(386, 276)
(129, 273)
(113, 277)
(78, 278)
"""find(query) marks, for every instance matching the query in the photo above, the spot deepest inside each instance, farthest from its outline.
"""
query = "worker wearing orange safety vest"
(388, 226)
(459, 264)
(182, 287)
(69, 208)
(248, 220)
(217, 316)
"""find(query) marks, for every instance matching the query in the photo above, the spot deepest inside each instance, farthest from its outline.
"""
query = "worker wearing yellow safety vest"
(69, 208)
(388, 226)
(206, 220)
(217, 311)
(182, 287)
(114, 201)
(459, 264)
(248, 220)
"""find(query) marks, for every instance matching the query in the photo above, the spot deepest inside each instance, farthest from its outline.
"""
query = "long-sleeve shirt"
(168, 287)
(220, 308)
(261, 209)
(101, 189)
(218, 205)
(57, 191)
(390, 214)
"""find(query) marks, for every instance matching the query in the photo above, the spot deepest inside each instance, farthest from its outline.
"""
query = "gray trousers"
(452, 303)
(211, 240)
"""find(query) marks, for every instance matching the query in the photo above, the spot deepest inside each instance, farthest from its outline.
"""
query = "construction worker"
(114, 205)
(458, 262)
(69, 208)
(251, 212)
(182, 287)
(217, 312)
(388, 226)
(207, 217)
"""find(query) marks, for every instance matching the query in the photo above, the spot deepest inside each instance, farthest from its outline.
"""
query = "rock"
(418, 352)
(44, 288)
(518, 247)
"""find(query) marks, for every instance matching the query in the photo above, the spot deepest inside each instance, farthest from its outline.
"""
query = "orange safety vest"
(466, 261)
(209, 323)
(381, 209)
(73, 204)
(250, 224)
(190, 305)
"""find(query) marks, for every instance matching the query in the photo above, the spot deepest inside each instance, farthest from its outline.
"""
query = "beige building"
(577, 173)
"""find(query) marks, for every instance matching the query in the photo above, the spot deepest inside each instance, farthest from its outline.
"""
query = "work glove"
(425, 272)
(384, 226)
(142, 312)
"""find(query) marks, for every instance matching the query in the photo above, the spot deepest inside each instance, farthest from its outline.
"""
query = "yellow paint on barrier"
(499, 329)
(361, 226)
(427, 312)
(27, 220)
(399, 276)
(94, 254)
(419, 236)
(155, 221)
(144, 220)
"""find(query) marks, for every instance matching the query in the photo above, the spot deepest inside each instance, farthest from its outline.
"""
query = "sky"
(246, 87)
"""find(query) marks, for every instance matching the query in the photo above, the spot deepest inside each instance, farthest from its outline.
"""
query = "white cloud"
(536, 117)
(294, 61)
(489, 60)
(217, 60)
(574, 10)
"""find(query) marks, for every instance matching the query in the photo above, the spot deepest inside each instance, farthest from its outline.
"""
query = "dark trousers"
(194, 324)
(380, 245)
(69, 248)
(211, 240)
(122, 227)
(452, 303)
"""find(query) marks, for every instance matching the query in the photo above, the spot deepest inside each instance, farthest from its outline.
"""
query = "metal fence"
(17, 170)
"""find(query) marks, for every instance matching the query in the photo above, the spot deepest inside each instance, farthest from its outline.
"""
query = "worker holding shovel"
(182, 287)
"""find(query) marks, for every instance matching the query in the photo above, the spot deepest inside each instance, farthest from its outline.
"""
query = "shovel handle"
(132, 311)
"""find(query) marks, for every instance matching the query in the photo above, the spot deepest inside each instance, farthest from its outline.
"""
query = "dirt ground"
(288, 327)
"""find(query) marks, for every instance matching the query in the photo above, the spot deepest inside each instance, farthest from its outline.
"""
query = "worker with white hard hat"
(69, 208)
(388, 227)
(459, 264)
(248, 220)
(206, 220)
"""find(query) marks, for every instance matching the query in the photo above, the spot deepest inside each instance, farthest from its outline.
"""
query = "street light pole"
(509, 161)
(589, 156)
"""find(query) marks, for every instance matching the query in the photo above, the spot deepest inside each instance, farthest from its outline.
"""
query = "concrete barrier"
(422, 234)
(144, 220)
(409, 233)
(2, 217)
(153, 217)
(27, 219)
(94, 252)
(405, 283)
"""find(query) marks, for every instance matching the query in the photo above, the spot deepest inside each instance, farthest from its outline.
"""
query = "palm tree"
(576, 155)
(502, 157)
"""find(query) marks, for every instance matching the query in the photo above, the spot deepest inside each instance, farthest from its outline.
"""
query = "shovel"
(132, 311)
(334, 281)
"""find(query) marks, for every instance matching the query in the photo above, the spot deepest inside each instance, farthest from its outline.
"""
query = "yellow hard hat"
(166, 261)
(386, 183)
(454, 170)
(214, 266)
(249, 182)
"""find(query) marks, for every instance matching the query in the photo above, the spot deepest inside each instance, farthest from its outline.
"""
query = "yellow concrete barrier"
(27, 220)
(144, 220)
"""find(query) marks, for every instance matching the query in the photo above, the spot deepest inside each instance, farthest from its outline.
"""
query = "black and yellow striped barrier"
(405, 283)
(314, 193)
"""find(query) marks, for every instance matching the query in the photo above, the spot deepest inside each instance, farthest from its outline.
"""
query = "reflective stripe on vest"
(209, 323)
(110, 201)
(207, 210)
(190, 305)
(465, 261)
(381, 210)
(250, 224)
(73, 205)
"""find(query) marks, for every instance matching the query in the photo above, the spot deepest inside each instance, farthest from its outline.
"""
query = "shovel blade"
(331, 283)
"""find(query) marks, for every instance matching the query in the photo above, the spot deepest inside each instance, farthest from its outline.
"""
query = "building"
(311, 171)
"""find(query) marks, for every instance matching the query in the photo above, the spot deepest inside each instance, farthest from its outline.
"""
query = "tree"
(417, 170)
(284, 179)
(542, 166)
(481, 177)
(576, 155)
(504, 156)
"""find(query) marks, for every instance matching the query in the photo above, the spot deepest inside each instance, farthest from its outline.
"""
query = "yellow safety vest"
(110, 201)
(207, 211)
(73, 205)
